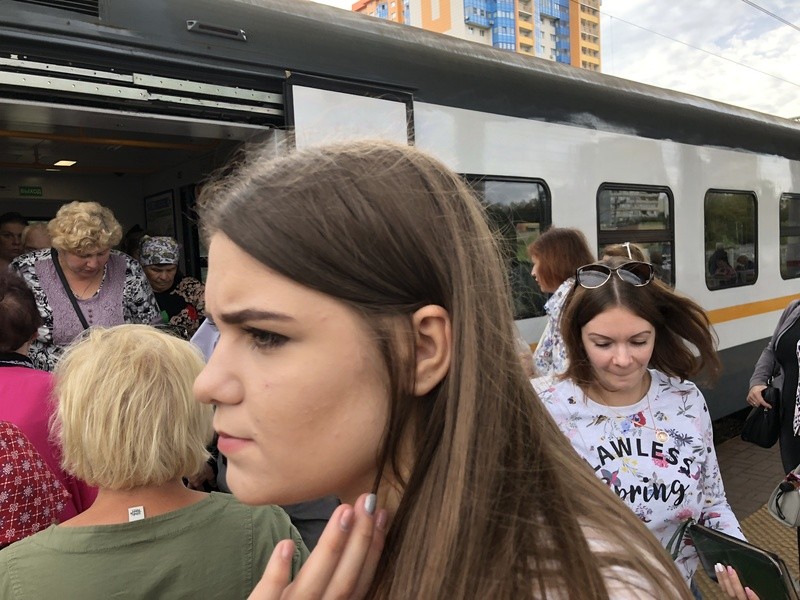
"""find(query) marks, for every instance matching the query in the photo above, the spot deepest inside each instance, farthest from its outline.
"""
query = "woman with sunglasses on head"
(627, 406)
(416, 393)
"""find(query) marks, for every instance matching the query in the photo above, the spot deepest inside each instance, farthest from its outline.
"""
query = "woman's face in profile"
(536, 272)
(300, 390)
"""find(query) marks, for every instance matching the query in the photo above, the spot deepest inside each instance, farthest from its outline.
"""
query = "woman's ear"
(432, 344)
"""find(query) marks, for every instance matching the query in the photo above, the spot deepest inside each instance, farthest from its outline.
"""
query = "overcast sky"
(729, 28)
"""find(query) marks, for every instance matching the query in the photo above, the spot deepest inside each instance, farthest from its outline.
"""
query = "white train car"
(149, 96)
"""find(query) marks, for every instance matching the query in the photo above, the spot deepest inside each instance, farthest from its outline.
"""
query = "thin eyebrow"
(605, 337)
(251, 314)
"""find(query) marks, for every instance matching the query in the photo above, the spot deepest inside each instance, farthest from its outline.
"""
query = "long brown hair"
(558, 252)
(675, 318)
(495, 504)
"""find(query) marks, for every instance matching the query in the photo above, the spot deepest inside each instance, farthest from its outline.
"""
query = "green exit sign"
(30, 190)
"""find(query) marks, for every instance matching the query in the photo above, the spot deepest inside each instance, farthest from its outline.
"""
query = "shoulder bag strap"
(67, 289)
(776, 369)
(673, 546)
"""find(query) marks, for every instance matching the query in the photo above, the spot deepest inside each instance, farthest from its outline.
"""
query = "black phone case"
(762, 571)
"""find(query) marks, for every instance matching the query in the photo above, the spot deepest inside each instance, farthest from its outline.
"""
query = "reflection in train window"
(518, 210)
(641, 215)
(790, 236)
(730, 240)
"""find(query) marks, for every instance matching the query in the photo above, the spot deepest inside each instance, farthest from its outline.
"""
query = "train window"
(325, 110)
(790, 236)
(641, 215)
(518, 210)
(730, 239)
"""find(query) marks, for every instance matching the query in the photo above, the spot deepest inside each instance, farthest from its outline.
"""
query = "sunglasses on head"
(595, 275)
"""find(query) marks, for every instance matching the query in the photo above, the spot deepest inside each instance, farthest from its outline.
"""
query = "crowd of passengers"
(362, 378)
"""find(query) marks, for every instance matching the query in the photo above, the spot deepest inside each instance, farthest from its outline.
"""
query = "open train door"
(323, 110)
(137, 142)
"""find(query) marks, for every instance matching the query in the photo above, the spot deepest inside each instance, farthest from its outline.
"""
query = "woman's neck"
(389, 494)
(619, 398)
(112, 507)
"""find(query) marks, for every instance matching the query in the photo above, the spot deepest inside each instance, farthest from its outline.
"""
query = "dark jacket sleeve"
(766, 361)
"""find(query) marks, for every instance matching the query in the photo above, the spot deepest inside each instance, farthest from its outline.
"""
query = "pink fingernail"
(287, 551)
(380, 520)
(346, 519)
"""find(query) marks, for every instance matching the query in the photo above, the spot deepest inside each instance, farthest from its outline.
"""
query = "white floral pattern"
(663, 483)
(796, 418)
(550, 357)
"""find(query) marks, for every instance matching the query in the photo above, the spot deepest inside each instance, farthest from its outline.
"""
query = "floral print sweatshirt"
(550, 357)
(657, 455)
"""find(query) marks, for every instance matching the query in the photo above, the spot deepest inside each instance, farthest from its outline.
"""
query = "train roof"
(304, 37)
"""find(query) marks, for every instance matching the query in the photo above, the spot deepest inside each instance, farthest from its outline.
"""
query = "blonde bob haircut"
(84, 227)
(126, 414)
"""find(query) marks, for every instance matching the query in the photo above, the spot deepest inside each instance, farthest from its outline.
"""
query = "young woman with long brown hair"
(367, 343)
(627, 406)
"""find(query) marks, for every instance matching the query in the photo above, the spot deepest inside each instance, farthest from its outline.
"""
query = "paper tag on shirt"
(135, 513)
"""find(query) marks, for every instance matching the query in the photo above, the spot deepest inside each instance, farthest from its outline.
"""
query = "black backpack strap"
(67, 289)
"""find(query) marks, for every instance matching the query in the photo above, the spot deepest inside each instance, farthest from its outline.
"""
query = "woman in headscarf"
(180, 298)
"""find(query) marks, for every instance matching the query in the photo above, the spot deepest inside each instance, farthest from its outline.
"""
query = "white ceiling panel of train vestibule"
(34, 135)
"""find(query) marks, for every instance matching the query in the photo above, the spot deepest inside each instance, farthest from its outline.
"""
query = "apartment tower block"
(566, 31)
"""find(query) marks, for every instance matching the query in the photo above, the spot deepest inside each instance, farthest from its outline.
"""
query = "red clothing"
(31, 497)
(25, 401)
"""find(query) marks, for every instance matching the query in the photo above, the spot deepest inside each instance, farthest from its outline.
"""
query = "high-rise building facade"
(391, 10)
(567, 31)
(584, 34)
(552, 34)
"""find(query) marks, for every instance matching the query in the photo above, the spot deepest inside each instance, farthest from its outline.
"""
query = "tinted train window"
(518, 210)
(790, 236)
(730, 239)
(641, 215)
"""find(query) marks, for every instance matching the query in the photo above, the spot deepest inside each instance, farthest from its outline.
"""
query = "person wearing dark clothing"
(180, 298)
(780, 358)
(12, 225)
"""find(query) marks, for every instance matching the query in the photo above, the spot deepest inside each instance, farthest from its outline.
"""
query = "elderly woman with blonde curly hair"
(128, 423)
(81, 282)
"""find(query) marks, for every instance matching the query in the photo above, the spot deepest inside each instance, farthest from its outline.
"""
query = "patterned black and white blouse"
(183, 304)
(125, 296)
